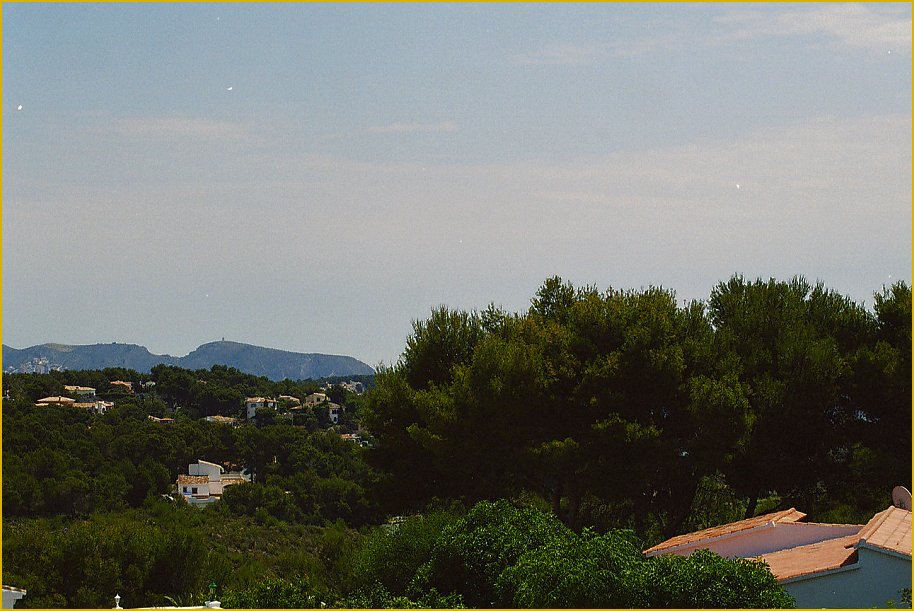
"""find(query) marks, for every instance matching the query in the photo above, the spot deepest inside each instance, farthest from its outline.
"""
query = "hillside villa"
(206, 481)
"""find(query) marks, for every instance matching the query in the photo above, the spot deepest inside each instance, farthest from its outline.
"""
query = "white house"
(315, 398)
(252, 404)
(333, 412)
(11, 596)
(99, 407)
(820, 565)
(223, 420)
(205, 482)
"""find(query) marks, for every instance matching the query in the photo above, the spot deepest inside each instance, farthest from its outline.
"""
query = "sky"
(316, 177)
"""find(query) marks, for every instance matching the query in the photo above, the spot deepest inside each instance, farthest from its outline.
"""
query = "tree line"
(626, 407)
(530, 455)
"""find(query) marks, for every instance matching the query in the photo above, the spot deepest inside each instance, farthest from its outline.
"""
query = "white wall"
(10, 597)
(877, 578)
(213, 471)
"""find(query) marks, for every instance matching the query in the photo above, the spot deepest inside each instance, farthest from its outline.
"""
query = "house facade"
(205, 482)
(820, 565)
(252, 404)
(333, 412)
(316, 398)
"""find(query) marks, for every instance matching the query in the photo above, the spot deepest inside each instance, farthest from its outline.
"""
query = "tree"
(471, 554)
(276, 593)
(704, 580)
(436, 345)
(583, 571)
(499, 555)
(392, 554)
(617, 394)
(793, 344)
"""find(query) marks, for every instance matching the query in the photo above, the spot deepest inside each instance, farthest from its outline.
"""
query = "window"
(193, 490)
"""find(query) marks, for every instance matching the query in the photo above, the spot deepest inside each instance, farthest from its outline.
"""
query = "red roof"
(193, 479)
(889, 530)
(788, 515)
(812, 558)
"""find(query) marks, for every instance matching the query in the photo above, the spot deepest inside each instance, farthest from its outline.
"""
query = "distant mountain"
(256, 360)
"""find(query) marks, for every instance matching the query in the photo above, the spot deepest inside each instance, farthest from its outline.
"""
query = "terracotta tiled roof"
(889, 529)
(813, 558)
(86, 405)
(222, 419)
(788, 515)
(12, 589)
(193, 479)
(57, 400)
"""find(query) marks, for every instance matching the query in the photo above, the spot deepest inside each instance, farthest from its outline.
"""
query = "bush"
(706, 580)
(471, 553)
(276, 593)
(392, 554)
(576, 572)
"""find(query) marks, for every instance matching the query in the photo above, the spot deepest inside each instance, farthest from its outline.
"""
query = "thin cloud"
(445, 127)
(172, 127)
(871, 27)
(558, 55)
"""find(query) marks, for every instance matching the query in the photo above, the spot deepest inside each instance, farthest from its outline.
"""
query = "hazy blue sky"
(314, 177)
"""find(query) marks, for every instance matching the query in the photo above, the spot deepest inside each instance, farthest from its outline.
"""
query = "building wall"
(10, 597)
(252, 408)
(202, 468)
(877, 579)
(201, 489)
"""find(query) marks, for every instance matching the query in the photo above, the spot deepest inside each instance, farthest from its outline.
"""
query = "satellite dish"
(901, 497)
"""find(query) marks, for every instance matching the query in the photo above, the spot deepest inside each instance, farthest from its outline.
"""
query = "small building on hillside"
(316, 398)
(205, 482)
(80, 392)
(820, 565)
(98, 407)
(121, 385)
(252, 404)
(56, 400)
(161, 421)
(333, 412)
(223, 420)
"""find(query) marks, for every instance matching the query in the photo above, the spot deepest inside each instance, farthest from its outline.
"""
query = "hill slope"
(269, 362)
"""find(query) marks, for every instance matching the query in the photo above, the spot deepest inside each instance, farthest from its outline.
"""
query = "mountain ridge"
(273, 363)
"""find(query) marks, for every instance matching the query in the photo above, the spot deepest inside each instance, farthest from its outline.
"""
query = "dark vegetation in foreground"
(609, 420)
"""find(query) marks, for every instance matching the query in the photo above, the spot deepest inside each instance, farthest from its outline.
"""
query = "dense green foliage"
(707, 581)
(499, 555)
(577, 432)
(59, 460)
(622, 408)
